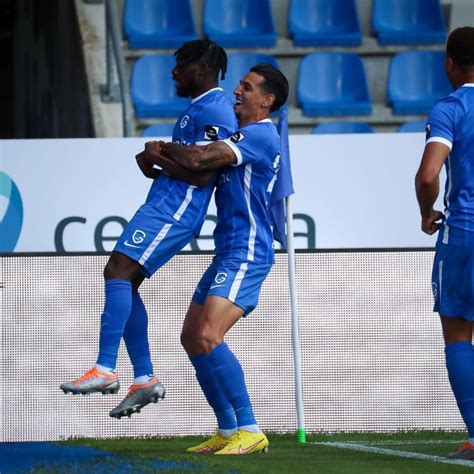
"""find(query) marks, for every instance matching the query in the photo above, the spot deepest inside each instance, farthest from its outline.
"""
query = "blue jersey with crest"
(243, 192)
(452, 122)
(209, 117)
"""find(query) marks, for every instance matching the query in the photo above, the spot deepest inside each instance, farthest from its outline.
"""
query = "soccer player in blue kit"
(230, 287)
(170, 218)
(450, 141)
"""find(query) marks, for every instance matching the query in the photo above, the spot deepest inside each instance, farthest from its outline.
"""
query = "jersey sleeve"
(248, 144)
(440, 124)
(214, 122)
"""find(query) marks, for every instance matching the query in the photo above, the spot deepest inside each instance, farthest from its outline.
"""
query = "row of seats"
(166, 129)
(329, 83)
(249, 23)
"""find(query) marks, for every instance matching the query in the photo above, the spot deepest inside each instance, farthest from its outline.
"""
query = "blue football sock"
(118, 304)
(135, 336)
(231, 376)
(460, 365)
(213, 392)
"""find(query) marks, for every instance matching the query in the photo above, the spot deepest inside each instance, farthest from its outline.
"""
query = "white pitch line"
(388, 442)
(396, 452)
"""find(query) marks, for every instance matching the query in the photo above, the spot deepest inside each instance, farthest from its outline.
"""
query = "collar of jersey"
(468, 84)
(199, 97)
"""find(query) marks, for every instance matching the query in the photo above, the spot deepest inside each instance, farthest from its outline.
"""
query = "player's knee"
(207, 338)
(121, 267)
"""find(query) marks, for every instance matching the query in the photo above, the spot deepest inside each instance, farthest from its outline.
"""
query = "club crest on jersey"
(138, 236)
(211, 132)
(237, 137)
(428, 130)
(220, 277)
(184, 121)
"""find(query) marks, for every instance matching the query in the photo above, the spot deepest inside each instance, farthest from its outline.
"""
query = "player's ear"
(268, 100)
(204, 69)
(448, 64)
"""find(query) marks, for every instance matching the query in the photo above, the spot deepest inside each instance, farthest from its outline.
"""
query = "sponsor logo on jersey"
(211, 132)
(237, 137)
(184, 121)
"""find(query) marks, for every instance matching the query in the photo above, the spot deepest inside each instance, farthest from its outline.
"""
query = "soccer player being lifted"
(450, 141)
(229, 289)
(171, 217)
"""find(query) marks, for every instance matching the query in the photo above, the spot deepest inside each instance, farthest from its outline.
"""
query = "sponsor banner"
(351, 191)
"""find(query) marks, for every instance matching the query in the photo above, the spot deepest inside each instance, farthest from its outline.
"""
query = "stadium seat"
(413, 126)
(239, 23)
(408, 22)
(342, 127)
(153, 90)
(158, 23)
(159, 130)
(324, 23)
(333, 84)
(416, 80)
(238, 65)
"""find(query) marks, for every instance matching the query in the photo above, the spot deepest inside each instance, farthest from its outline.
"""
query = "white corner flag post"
(295, 339)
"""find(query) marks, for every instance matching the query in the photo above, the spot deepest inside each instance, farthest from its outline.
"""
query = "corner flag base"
(301, 435)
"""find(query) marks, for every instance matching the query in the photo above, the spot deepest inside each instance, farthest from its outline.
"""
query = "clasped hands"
(150, 158)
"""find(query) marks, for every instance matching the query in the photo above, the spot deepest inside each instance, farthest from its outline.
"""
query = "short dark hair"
(206, 51)
(274, 82)
(460, 47)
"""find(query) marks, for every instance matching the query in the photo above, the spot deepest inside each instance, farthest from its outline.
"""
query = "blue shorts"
(236, 280)
(151, 239)
(453, 281)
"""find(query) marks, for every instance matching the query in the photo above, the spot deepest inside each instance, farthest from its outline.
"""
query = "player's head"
(263, 90)
(198, 64)
(460, 55)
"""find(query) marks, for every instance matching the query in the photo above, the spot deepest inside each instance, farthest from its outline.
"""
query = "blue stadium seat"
(413, 126)
(156, 24)
(159, 130)
(416, 80)
(153, 90)
(342, 127)
(238, 65)
(239, 23)
(324, 23)
(333, 84)
(408, 21)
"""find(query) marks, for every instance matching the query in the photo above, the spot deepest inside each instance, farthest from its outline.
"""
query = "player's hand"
(154, 148)
(432, 223)
(147, 166)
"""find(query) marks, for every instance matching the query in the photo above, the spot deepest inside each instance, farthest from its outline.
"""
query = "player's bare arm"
(197, 178)
(200, 158)
(427, 185)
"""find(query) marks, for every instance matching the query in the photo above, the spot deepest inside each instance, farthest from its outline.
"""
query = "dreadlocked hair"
(204, 51)
(460, 47)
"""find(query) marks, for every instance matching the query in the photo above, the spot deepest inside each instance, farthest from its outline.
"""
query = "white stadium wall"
(371, 349)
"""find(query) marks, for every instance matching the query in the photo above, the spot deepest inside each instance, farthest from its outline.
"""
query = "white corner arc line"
(395, 452)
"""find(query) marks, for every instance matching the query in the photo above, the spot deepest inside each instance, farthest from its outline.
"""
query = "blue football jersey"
(209, 117)
(243, 192)
(452, 122)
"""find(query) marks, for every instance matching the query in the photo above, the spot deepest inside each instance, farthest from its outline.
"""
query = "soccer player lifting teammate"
(450, 141)
(171, 217)
(230, 287)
